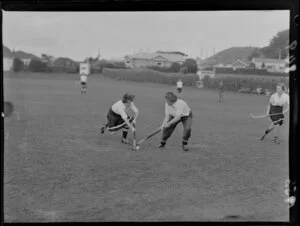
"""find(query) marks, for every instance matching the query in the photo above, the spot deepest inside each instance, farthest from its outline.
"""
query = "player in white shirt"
(117, 117)
(278, 105)
(176, 111)
(179, 85)
(83, 81)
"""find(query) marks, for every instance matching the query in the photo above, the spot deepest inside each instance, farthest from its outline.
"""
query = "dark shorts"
(83, 83)
(279, 117)
(115, 121)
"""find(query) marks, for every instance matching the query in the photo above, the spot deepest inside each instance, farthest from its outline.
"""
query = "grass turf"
(59, 168)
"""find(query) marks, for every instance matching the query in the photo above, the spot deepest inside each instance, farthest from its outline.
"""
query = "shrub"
(18, 65)
(148, 75)
(37, 66)
(230, 83)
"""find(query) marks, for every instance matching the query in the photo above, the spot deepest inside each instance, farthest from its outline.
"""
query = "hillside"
(277, 48)
(20, 54)
(6, 52)
(24, 55)
(229, 56)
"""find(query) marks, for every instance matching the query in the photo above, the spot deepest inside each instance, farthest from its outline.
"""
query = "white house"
(7, 63)
(272, 65)
(8, 59)
(85, 68)
(26, 61)
(153, 59)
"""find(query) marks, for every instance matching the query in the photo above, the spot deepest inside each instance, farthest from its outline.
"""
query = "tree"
(277, 46)
(255, 54)
(191, 65)
(175, 67)
(18, 65)
(37, 66)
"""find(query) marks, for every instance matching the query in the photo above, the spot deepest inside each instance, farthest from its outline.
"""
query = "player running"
(179, 85)
(176, 111)
(83, 81)
(277, 102)
(221, 92)
(117, 117)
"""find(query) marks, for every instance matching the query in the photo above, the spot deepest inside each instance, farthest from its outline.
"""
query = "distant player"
(278, 105)
(221, 92)
(176, 111)
(83, 81)
(179, 85)
(117, 117)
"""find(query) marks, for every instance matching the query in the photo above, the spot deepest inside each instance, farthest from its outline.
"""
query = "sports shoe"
(103, 129)
(161, 146)
(276, 140)
(124, 141)
(185, 147)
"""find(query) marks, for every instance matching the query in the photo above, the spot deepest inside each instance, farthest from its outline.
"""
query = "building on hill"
(240, 64)
(153, 59)
(8, 59)
(272, 65)
(63, 64)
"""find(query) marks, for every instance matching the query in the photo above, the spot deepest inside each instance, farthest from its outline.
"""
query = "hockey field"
(59, 168)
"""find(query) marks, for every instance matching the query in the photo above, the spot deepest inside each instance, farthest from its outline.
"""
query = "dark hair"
(281, 85)
(127, 97)
(171, 97)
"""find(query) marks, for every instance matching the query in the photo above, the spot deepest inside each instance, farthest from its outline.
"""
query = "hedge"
(148, 75)
(230, 83)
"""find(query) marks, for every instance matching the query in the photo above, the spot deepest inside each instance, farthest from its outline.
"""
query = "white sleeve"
(134, 108)
(288, 100)
(166, 109)
(271, 99)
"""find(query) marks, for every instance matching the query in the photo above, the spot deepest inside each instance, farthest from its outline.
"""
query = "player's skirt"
(179, 89)
(115, 121)
(278, 118)
(83, 83)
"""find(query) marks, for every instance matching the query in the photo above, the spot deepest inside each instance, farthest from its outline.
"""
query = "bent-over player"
(278, 105)
(117, 117)
(176, 111)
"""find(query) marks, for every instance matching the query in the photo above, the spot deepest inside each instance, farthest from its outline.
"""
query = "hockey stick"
(134, 139)
(263, 116)
(149, 136)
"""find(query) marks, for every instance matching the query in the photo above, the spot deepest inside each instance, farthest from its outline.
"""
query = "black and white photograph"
(147, 116)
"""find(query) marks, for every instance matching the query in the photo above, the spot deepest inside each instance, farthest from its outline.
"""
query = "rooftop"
(149, 56)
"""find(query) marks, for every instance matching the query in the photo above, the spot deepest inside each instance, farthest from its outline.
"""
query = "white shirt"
(284, 99)
(120, 108)
(179, 108)
(179, 84)
(83, 78)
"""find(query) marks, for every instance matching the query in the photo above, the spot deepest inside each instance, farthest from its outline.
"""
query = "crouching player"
(277, 102)
(176, 111)
(117, 117)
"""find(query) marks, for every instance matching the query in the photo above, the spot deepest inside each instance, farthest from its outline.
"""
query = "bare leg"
(271, 127)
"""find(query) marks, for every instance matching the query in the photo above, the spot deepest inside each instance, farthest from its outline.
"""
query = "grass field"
(59, 168)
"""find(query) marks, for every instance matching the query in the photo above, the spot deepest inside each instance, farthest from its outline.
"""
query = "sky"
(78, 35)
